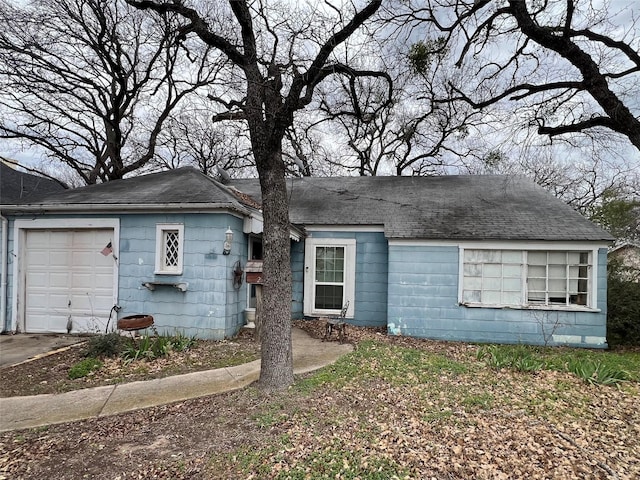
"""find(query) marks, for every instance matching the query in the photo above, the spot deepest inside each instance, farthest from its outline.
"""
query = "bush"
(84, 368)
(109, 345)
(623, 306)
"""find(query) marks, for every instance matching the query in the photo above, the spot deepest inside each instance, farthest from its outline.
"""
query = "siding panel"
(370, 307)
(423, 302)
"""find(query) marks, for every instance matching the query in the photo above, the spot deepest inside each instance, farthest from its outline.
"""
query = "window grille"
(169, 249)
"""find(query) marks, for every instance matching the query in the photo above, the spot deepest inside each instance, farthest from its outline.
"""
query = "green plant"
(84, 368)
(519, 357)
(528, 363)
(109, 345)
(597, 372)
(180, 342)
(150, 347)
(138, 349)
(495, 356)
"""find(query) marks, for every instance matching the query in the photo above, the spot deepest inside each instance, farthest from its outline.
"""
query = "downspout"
(3, 274)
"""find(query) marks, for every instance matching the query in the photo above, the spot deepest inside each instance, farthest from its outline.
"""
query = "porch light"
(228, 238)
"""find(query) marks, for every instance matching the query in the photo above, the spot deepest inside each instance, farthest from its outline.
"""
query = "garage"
(68, 279)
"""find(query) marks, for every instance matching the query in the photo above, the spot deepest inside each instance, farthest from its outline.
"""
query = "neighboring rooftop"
(461, 207)
(17, 186)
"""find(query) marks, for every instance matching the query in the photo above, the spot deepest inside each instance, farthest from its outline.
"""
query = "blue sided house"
(463, 258)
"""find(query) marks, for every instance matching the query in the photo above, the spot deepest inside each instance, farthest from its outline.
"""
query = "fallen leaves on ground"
(49, 374)
(415, 410)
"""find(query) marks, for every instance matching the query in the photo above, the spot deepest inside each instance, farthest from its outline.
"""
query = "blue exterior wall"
(370, 307)
(423, 302)
(297, 279)
(210, 308)
(414, 288)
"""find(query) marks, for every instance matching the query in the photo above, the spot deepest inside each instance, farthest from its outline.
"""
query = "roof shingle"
(462, 207)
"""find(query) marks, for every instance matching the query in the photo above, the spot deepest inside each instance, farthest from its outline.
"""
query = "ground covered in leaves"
(50, 374)
(395, 408)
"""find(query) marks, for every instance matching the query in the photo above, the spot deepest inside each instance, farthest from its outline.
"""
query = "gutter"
(4, 273)
(113, 207)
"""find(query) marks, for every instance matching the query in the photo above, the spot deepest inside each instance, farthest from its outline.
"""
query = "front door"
(329, 276)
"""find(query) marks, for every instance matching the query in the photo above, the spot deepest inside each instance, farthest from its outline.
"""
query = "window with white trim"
(169, 242)
(558, 278)
(329, 275)
(527, 278)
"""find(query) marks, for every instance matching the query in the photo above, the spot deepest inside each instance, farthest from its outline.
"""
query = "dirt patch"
(50, 374)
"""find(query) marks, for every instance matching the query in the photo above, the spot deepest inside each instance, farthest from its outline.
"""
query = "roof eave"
(117, 208)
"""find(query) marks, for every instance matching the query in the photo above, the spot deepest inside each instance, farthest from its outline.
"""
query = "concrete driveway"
(24, 346)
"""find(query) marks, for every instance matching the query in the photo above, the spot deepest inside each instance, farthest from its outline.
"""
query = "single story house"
(467, 258)
(628, 254)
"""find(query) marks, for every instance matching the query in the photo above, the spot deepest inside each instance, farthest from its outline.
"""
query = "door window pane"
(329, 276)
(329, 264)
(329, 297)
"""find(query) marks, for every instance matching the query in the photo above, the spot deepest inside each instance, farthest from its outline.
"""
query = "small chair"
(338, 324)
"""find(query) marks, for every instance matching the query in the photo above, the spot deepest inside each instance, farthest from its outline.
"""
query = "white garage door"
(68, 281)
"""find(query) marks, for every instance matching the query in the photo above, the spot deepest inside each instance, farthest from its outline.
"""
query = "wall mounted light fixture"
(228, 238)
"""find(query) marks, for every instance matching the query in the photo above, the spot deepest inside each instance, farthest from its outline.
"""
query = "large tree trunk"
(277, 358)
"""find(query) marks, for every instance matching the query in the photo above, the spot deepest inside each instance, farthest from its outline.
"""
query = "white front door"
(68, 281)
(329, 281)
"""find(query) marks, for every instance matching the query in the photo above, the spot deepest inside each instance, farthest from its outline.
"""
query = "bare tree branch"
(80, 77)
(516, 42)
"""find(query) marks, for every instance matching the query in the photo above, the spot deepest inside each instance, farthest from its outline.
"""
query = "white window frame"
(349, 280)
(566, 276)
(524, 249)
(161, 268)
(250, 254)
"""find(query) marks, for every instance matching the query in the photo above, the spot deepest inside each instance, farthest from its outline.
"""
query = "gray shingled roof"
(181, 188)
(468, 207)
(16, 186)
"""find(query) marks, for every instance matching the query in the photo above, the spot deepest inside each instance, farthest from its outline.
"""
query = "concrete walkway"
(27, 412)
(15, 349)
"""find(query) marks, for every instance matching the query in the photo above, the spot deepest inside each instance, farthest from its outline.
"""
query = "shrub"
(109, 345)
(623, 306)
(84, 368)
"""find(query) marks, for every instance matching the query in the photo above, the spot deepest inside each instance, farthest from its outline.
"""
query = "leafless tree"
(278, 53)
(568, 67)
(92, 82)
(190, 138)
(397, 128)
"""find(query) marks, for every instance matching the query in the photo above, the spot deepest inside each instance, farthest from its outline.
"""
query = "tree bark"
(276, 371)
(595, 82)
